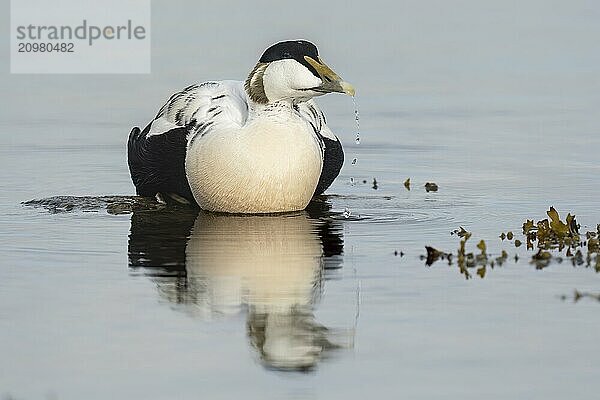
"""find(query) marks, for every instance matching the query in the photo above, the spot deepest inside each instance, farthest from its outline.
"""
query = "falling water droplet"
(357, 119)
(352, 181)
(346, 213)
(354, 161)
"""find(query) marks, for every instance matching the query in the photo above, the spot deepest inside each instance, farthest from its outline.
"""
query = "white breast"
(271, 164)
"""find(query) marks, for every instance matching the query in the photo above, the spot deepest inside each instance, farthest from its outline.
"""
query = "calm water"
(496, 103)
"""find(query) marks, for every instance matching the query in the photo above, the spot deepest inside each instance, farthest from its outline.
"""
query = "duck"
(245, 147)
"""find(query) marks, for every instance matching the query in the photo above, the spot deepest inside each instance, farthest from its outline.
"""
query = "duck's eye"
(287, 55)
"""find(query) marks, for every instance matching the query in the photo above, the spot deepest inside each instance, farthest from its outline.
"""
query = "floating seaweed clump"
(466, 261)
(547, 236)
(552, 234)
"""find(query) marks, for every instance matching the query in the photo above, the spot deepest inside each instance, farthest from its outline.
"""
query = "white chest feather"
(271, 164)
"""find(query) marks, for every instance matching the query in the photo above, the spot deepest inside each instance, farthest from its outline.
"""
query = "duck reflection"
(271, 266)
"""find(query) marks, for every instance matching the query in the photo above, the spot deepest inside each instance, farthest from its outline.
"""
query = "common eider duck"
(259, 146)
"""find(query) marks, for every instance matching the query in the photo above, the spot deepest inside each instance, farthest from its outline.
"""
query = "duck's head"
(292, 70)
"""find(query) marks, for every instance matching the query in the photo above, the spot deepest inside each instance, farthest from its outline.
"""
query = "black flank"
(157, 162)
(332, 163)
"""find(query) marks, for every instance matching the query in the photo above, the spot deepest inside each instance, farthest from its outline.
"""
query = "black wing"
(157, 162)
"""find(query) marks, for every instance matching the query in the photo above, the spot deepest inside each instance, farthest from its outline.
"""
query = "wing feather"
(156, 155)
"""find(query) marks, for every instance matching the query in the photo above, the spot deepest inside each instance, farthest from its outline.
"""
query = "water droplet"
(354, 160)
(346, 213)
(357, 119)
(352, 181)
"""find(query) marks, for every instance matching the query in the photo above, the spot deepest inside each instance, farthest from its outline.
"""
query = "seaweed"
(375, 186)
(461, 232)
(577, 296)
(431, 187)
(545, 238)
(465, 260)
(553, 234)
(433, 255)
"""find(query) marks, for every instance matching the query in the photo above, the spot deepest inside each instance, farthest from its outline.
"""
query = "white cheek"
(285, 78)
